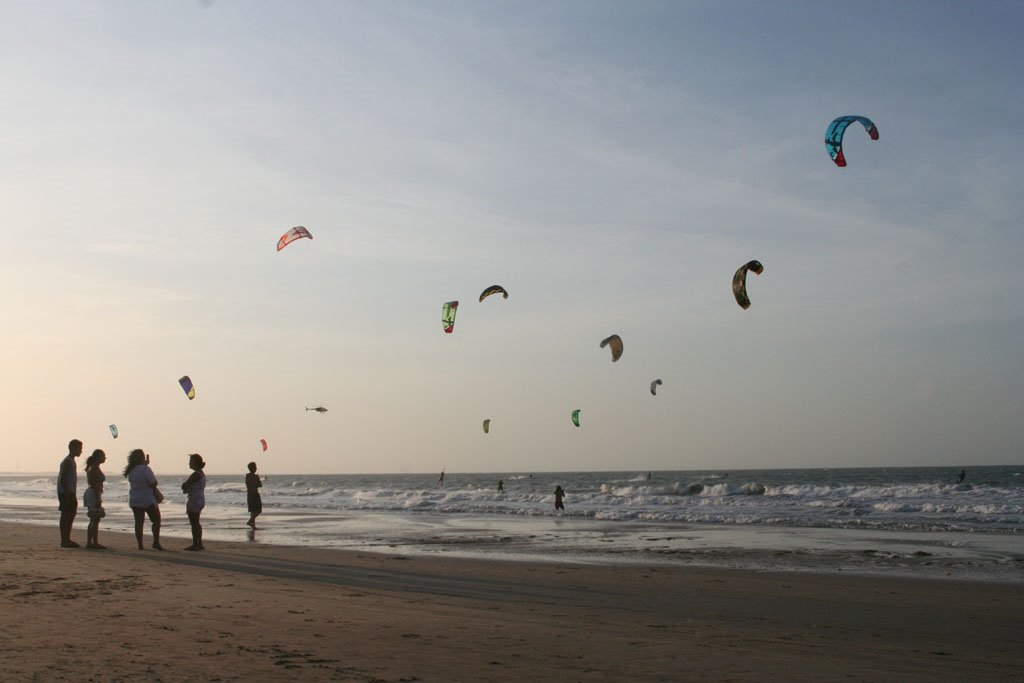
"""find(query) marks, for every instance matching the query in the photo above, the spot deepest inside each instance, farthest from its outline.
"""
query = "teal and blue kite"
(836, 130)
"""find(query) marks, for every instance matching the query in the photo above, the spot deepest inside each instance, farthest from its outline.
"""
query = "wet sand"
(254, 612)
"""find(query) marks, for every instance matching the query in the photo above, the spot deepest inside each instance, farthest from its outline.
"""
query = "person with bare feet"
(93, 498)
(142, 495)
(67, 493)
(195, 488)
(252, 495)
(559, 495)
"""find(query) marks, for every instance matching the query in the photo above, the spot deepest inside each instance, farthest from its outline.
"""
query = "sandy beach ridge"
(245, 611)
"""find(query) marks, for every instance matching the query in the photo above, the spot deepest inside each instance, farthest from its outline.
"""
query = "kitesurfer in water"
(501, 486)
(559, 494)
(440, 480)
(252, 495)
(960, 477)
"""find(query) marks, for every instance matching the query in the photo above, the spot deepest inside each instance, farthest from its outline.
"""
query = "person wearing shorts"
(93, 498)
(143, 495)
(67, 493)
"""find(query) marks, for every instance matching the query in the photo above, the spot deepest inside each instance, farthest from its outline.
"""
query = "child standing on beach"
(195, 488)
(93, 498)
(252, 495)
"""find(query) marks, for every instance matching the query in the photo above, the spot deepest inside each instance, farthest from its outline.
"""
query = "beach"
(248, 611)
(512, 341)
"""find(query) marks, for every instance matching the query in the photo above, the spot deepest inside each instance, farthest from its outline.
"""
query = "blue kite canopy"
(186, 386)
(836, 130)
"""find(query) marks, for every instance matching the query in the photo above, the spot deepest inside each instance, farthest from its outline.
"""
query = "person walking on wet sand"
(93, 498)
(559, 495)
(67, 493)
(143, 496)
(195, 488)
(252, 495)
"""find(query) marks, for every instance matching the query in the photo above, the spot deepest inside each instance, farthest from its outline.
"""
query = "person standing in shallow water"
(93, 498)
(67, 493)
(195, 488)
(559, 495)
(252, 495)
(142, 495)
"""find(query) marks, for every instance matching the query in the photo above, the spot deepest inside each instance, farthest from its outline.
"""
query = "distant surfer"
(440, 480)
(960, 477)
(559, 495)
(501, 486)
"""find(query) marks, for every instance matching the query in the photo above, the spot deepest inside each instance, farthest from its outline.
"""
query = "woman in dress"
(195, 488)
(93, 498)
(143, 496)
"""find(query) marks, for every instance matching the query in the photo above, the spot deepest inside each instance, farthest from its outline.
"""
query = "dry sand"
(263, 613)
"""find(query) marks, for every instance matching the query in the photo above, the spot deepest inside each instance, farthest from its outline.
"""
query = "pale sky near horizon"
(610, 164)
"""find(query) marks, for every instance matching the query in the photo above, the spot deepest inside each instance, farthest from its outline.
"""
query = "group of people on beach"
(144, 496)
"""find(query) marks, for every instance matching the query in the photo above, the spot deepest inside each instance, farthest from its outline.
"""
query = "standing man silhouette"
(67, 493)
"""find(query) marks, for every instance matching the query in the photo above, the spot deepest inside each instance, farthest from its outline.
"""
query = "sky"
(610, 164)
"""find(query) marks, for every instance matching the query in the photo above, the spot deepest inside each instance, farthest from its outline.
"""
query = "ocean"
(914, 521)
